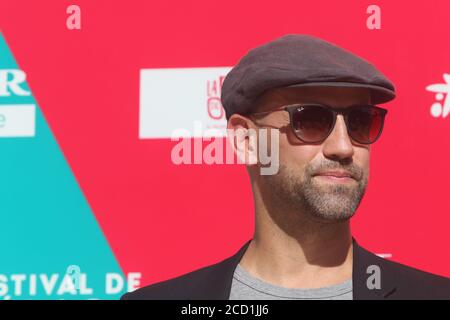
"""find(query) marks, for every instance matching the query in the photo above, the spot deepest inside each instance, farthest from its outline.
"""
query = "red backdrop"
(165, 220)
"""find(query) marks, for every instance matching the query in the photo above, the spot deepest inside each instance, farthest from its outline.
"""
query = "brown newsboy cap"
(299, 60)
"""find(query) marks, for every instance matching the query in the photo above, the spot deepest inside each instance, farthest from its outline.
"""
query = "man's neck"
(315, 255)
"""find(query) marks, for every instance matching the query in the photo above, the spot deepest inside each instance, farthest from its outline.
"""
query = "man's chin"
(331, 218)
(333, 211)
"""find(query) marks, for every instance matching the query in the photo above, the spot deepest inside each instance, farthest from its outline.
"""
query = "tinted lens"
(365, 123)
(312, 123)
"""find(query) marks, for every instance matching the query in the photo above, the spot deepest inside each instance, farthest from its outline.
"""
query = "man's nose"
(338, 144)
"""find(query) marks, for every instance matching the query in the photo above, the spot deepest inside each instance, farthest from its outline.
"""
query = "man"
(324, 100)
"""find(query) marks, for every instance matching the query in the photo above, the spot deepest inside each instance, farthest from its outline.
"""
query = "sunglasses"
(313, 123)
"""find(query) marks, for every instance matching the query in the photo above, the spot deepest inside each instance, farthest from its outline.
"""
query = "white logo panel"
(177, 98)
(17, 120)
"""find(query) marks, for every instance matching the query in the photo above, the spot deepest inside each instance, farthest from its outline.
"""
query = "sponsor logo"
(16, 120)
(441, 108)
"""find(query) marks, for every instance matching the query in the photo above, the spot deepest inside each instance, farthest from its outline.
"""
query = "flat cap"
(299, 60)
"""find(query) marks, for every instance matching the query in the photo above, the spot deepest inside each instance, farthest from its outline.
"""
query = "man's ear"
(242, 134)
(237, 121)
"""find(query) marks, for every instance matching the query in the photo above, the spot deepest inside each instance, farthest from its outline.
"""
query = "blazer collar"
(221, 277)
(363, 262)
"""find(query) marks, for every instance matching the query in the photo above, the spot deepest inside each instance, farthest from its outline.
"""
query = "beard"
(319, 201)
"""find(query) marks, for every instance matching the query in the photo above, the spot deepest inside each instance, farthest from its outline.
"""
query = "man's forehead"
(333, 96)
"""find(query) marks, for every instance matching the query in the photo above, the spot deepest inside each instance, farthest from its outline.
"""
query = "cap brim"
(378, 94)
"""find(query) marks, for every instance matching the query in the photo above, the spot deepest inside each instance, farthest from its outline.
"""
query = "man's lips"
(336, 175)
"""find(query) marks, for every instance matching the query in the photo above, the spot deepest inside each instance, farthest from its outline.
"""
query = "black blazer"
(214, 282)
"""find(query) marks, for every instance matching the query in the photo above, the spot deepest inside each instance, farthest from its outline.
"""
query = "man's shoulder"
(410, 282)
(182, 287)
(419, 284)
(211, 282)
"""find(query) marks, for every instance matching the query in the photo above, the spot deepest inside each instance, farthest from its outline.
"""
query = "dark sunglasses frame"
(298, 107)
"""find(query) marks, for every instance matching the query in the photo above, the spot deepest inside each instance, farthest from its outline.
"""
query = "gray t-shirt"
(247, 287)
